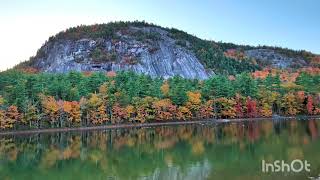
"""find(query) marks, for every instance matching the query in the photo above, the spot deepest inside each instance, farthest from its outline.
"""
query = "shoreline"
(138, 125)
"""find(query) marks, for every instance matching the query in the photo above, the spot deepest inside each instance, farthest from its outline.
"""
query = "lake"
(187, 152)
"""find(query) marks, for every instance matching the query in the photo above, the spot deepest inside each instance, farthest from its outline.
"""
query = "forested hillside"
(138, 72)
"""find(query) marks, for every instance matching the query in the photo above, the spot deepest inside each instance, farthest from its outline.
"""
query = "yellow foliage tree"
(226, 107)
(266, 100)
(144, 108)
(103, 93)
(194, 97)
(2, 119)
(289, 104)
(183, 113)
(50, 107)
(1, 100)
(165, 89)
(97, 110)
(194, 102)
(130, 112)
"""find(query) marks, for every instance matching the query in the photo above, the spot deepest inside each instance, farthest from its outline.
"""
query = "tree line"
(42, 100)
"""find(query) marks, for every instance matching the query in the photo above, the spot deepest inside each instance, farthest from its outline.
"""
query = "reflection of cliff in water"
(199, 171)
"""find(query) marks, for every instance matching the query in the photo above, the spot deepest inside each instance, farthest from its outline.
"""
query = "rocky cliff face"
(153, 50)
(271, 58)
(147, 50)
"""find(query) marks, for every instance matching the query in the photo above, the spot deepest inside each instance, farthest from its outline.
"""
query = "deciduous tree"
(251, 105)
(194, 102)
(164, 110)
(51, 108)
(183, 113)
(226, 107)
(206, 110)
(119, 114)
(10, 118)
(165, 89)
(72, 110)
(266, 100)
(239, 106)
(31, 115)
(144, 109)
(130, 112)
(96, 110)
(289, 104)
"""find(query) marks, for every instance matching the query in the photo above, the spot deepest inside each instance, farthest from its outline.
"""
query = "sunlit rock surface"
(159, 57)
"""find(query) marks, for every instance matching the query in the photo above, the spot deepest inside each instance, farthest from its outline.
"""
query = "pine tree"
(246, 85)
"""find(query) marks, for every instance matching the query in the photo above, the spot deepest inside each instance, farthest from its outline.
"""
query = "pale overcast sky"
(26, 25)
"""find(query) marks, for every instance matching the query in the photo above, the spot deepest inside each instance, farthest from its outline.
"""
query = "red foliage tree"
(251, 107)
(238, 106)
(310, 105)
(118, 113)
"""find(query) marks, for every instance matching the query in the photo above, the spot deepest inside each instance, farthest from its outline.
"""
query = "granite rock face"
(271, 58)
(146, 50)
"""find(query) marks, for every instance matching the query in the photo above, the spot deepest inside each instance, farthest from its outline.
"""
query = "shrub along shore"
(42, 100)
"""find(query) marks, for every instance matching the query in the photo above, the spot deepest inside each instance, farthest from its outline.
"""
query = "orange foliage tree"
(10, 117)
(50, 108)
(261, 74)
(72, 111)
(164, 110)
(118, 113)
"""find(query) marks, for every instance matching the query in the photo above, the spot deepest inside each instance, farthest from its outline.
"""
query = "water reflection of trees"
(141, 152)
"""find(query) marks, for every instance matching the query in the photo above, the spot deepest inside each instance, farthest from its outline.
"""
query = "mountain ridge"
(160, 52)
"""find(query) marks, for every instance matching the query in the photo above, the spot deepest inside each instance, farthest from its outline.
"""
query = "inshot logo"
(296, 166)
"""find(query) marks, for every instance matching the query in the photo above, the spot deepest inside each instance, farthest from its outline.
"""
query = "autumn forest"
(32, 100)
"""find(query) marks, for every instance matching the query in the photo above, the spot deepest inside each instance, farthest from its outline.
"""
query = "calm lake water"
(186, 152)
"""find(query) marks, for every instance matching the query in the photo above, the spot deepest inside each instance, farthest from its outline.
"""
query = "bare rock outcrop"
(147, 50)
